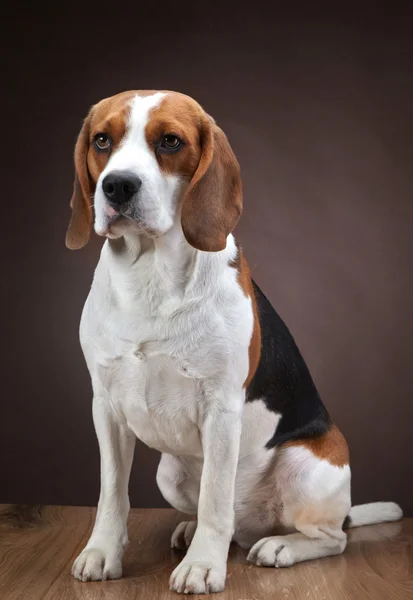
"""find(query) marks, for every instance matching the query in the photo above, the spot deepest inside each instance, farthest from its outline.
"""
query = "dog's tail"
(375, 512)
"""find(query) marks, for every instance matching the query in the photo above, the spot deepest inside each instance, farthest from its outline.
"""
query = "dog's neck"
(170, 248)
(168, 262)
(169, 265)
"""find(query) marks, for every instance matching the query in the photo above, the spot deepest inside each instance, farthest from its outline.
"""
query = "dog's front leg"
(203, 569)
(102, 556)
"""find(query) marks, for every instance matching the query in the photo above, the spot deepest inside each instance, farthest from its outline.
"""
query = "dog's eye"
(102, 142)
(170, 142)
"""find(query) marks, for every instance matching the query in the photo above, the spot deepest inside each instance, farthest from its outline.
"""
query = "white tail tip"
(375, 512)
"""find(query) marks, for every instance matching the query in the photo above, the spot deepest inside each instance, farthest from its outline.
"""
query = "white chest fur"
(153, 334)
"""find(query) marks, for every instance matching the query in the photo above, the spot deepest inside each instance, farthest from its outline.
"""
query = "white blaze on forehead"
(133, 152)
(141, 106)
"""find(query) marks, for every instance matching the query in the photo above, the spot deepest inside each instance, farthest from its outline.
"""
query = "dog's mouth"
(117, 220)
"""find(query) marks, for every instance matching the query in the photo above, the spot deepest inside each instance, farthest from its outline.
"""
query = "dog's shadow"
(149, 552)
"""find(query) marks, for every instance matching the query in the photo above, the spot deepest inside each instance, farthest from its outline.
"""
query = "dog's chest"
(149, 373)
(151, 346)
(159, 403)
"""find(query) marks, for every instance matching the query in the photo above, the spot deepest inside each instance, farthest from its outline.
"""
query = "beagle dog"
(186, 353)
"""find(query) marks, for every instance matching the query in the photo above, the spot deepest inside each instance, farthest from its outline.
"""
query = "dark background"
(318, 105)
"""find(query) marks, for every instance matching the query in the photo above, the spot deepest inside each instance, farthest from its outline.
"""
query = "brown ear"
(78, 232)
(213, 202)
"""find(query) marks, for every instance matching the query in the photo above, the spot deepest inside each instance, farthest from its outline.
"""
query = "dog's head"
(145, 158)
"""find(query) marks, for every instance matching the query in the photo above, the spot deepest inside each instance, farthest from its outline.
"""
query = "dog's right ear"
(80, 225)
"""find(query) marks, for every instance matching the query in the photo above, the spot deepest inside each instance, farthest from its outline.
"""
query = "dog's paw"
(197, 578)
(272, 552)
(183, 534)
(94, 564)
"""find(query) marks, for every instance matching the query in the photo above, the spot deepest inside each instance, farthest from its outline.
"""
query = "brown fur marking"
(331, 446)
(176, 115)
(244, 279)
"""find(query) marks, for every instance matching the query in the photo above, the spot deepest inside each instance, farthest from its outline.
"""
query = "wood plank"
(38, 545)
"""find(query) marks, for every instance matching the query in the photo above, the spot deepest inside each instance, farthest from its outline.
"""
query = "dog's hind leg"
(181, 490)
(315, 492)
(177, 485)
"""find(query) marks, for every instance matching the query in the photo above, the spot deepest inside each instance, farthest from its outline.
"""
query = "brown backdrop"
(319, 109)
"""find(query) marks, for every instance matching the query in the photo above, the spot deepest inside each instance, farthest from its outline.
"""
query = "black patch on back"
(283, 381)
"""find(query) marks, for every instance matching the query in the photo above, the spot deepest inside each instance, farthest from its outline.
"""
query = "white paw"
(183, 534)
(272, 552)
(94, 564)
(197, 578)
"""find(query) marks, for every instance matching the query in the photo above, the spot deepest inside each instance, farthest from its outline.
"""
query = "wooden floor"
(38, 545)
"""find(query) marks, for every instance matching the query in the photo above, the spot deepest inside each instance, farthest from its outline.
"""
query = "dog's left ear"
(213, 202)
(80, 225)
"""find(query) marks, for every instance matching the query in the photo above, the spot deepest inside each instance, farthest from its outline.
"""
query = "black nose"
(120, 186)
